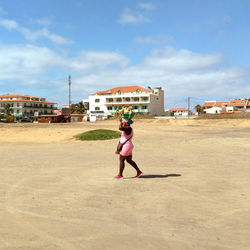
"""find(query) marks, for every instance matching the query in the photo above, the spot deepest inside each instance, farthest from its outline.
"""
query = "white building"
(108, 102)
(26, 105)
(215, 107)
(177, 112)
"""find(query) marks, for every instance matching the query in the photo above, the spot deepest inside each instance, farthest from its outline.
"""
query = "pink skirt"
(127, 149)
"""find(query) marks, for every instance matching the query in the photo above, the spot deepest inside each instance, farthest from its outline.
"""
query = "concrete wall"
(156, 106)
(93, 104)
(213, 110)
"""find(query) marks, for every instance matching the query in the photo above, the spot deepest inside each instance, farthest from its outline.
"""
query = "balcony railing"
(136, 111)
(127, 103)
(37, 107)
(134, 94)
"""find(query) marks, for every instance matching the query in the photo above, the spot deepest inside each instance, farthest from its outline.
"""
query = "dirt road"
(58, 193)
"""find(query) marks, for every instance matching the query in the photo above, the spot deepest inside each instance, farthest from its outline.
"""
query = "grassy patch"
(98, 134)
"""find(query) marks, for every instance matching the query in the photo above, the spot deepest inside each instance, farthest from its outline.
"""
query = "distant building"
(65, 109)
(144, 101)
(179, 112)
(26, 105)
(215, 107)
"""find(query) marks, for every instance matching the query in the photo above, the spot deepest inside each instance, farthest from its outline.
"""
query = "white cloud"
(44, 33)
(34, 34)
(146, 6)
(89, 60)
(26, 61)
(161, 39)
(44, 21)
(181, 73)
(129, 16)
(9, 24)
(174, 60)
(22, 61)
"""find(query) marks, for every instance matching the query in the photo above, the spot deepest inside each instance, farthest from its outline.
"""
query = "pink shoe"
(138, 175)
(118, 177)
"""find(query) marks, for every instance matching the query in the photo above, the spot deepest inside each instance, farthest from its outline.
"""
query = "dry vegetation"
(241, 115)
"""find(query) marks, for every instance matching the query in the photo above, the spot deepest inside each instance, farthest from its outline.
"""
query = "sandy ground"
(58, 193)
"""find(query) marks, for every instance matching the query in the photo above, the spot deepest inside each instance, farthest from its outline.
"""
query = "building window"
(97, 108)
(127, 99)
(110, 108)
(136, 99)
(110, 100)
(97, 100)
(17, 111)
(144, 107)
(119, 92)
(18, 104)
(135, 107)
(119, 100)
(145, 98)
(138, 91)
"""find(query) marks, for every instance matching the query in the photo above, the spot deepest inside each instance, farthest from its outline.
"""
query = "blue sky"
(197, 48)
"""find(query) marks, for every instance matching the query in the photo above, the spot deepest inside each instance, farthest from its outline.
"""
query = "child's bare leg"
(122, 164)
(132, 163)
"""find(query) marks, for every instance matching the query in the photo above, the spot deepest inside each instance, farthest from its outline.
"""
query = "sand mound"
(44, 133)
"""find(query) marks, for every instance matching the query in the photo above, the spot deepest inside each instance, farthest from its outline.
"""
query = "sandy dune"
(58, 193)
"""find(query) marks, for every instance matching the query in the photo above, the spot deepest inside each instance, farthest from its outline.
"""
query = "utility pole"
(69, 82)
(188, 105)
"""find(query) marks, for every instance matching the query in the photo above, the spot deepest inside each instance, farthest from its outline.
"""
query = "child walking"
(126, 152)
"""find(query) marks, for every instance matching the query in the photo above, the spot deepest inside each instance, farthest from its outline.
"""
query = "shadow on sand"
(149, 176)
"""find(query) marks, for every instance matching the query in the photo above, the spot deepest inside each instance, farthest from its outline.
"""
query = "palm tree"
(7, 108)
(81, 108)
(78, 108)
(199, 109)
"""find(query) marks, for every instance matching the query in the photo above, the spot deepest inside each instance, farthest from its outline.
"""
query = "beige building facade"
(26, 105)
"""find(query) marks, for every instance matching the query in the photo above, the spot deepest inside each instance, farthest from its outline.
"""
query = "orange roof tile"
(220, 104)
(214, 104)
(178, 109)
(208, 104)
(238, 103)
(124, 89)
(234, 103)
(19, 95)
(27, 101)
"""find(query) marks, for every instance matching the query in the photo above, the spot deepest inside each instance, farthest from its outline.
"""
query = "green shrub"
(98, 134)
